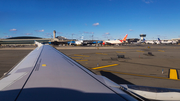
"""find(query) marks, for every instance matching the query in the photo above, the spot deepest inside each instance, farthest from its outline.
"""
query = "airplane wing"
(46, 74)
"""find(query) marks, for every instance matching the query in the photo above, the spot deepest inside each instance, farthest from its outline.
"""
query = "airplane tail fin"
(159, 39)
(38, 43)
(144, 40)
(104, 43)
(124, 39)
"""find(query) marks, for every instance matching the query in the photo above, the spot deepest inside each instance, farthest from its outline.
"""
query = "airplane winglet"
(38, 43)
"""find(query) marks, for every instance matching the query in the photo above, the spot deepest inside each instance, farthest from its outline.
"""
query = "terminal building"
(176, 39)
(29, 40)
(23, 40)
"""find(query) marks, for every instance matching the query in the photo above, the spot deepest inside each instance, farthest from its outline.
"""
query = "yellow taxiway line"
(101, 53)
(161, 50)
(105, 66)
(81, 55)
(173, 74)
(76, 57)
(81, 60)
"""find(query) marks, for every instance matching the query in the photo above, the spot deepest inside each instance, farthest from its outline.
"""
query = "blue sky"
(102, 19)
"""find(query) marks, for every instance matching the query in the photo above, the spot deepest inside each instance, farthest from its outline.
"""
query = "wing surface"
(46, 74)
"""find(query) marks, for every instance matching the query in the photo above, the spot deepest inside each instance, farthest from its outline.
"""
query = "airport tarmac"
(137, 67)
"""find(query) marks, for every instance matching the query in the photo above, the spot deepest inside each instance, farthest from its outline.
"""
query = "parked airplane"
(79, 42)
(158, 41)
(150, 42)
(116, 42)
(166, 42)
(46, 74)
(91, 42)
(139, 42)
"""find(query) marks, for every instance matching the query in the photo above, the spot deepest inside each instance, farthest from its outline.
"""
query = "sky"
(92, 19)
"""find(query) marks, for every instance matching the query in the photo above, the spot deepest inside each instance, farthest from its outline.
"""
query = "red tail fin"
(124, 39)
(104, 43)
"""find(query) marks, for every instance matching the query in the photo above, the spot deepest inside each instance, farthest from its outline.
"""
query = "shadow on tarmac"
(114, 78)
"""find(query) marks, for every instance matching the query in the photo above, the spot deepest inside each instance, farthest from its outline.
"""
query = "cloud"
(95, 24)
(131, 30)
(147, 1)
(40, 30)
(107, 33)
(13, 30)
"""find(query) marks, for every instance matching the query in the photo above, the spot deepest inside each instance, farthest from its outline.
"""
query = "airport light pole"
(72, 35)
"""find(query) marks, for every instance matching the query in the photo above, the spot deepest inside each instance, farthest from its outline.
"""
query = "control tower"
(142, 36)
(54, 34)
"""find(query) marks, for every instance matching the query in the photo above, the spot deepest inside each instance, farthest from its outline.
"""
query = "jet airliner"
(116, 42)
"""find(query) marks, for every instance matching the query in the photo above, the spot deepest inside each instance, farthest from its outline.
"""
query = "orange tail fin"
(124, 39)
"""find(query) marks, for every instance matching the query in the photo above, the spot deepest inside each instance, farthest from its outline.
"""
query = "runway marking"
(120, 52)
(81, 60)
(105, 66)
(76, 57)
(161, 50)
(139, 75)
(43, 65)
(173, 74)
(81, 55)
(101, 53)
(139, 51)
